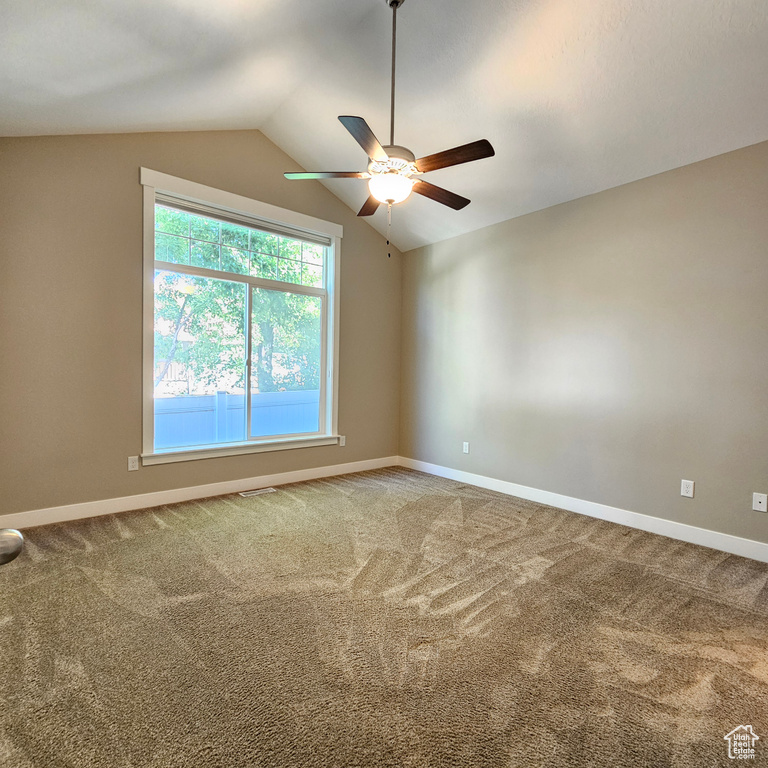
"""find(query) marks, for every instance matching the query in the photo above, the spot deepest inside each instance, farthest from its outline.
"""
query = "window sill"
(235, 449)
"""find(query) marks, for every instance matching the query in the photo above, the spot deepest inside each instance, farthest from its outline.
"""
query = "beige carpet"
(387, 618)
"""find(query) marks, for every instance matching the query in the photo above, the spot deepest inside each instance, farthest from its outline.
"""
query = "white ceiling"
(576, 96)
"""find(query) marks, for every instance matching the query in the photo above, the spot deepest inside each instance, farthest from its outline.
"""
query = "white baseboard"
(724, 542)
(143, 500)
(756, 550)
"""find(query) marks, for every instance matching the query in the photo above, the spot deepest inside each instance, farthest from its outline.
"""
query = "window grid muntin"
(285, 266)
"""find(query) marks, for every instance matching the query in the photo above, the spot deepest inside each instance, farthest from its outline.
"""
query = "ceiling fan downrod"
(394, 5)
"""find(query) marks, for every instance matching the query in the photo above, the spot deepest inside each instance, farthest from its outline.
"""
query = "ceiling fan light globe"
(390, 187)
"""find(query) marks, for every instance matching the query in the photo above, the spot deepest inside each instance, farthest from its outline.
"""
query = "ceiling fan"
(393, 171)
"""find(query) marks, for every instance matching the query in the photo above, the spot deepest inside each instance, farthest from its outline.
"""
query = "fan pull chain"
(389, 226)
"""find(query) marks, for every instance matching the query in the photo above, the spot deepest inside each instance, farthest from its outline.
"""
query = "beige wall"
(604, 348)
(70, 313)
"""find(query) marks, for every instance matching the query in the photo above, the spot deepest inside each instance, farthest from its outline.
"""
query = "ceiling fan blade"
(466, 153)
(369, 206)
(364, 137)
(328, 175)
(440, 195)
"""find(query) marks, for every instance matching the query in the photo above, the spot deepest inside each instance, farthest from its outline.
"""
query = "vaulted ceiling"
(576, 96)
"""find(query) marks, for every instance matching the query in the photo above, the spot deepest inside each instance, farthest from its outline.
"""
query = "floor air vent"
(258, 492)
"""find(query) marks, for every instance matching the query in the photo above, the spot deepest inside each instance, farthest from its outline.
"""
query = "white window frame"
(155, 182)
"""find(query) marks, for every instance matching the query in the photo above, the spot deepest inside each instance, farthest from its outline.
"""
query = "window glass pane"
(264, 266)
(263, 242)
(289, 271)
(171, 248)
(312, 275)
(171, 221)
(311, 253)
(200, 353)
(234, 235)
(285, 363)
(202, 228)
(234, 260)
(205, 255)
(290, 249)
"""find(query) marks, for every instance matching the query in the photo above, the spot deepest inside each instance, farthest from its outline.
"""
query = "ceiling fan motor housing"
(401, 153)
(401, 160)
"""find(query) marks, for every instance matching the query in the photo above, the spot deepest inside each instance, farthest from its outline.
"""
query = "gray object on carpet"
(11, 544)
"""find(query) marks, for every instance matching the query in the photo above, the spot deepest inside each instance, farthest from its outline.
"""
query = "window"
(240, 324)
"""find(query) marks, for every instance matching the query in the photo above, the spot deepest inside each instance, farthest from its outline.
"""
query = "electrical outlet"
(686, 488)
(466, 448)
(133, 463)
(760, 502)
(342, 440)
